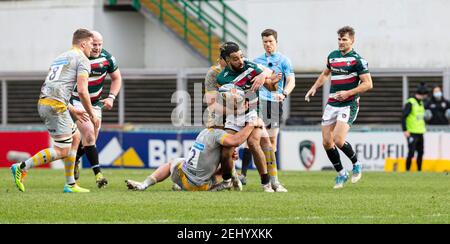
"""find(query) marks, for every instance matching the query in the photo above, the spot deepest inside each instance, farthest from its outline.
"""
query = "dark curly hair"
(228, 48)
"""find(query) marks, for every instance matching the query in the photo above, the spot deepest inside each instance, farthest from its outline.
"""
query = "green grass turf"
(377, 198)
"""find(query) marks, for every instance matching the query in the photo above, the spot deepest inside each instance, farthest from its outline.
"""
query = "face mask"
(437, 95)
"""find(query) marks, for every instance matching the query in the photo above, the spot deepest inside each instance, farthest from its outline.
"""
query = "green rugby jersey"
(242, 79)
(104, 64)
(345, 71)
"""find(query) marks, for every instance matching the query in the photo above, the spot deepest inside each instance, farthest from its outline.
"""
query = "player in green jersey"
(102, 63)
(349, 77)
(250, 77)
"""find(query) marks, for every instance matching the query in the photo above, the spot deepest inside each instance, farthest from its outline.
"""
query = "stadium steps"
(193, 32)
(192, 22)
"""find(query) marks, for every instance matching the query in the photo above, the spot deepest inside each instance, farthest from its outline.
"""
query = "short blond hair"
(80, 35)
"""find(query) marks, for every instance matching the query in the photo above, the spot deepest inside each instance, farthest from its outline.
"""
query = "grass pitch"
(377, 198)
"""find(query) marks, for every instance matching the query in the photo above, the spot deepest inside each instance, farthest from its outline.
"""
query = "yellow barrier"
(428, 165)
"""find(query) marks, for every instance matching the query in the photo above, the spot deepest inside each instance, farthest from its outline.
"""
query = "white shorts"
(345, 114)
(79, 106)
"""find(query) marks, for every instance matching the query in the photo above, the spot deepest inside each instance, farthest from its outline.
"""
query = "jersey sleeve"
(259, 68)
(211, 80)
(220, 78)
(362, 66)
(328, 62)
(83, 67)
(288, 70)
(220, 136)
(113, 66)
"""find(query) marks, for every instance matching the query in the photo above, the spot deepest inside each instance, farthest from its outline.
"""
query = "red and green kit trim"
(345, 72)
(104, 64)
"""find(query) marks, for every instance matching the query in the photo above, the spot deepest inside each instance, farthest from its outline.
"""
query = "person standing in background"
(271, 100)
(437, 108)
(413, 125)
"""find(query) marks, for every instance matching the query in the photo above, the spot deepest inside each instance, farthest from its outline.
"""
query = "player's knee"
(62, 152)
(89, 140)
(76, 139)
(266, 142)
(253, 143)
(339, 141)
(88, 134)
(328, 144)
(76, 136)
(86, 128)
(273, 141)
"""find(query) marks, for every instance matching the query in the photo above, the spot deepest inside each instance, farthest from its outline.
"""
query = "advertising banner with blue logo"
(146, 149)
(143, 149)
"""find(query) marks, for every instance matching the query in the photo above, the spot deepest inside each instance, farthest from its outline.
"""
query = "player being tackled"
(197, 172)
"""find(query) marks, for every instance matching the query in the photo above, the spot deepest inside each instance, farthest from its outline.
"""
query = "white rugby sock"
(149, 181)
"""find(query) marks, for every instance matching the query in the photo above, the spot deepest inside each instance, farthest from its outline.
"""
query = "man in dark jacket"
(438, 107)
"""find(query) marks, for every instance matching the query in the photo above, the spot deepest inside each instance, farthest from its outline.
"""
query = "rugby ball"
(231, 91)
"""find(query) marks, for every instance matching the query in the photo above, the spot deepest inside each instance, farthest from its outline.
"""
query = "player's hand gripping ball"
(231, 91)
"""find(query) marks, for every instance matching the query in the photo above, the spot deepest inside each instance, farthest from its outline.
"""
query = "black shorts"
(415, 143)
(272, 113)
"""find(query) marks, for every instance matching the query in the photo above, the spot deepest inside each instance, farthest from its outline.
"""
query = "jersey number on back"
(55, 72)
(194, 154)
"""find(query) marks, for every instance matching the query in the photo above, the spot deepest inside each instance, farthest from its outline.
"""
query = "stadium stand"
(148, 97)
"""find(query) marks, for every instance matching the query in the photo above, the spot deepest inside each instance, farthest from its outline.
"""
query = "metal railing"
(184, 23)
(212, 18)
(184, 78)
(231, 26)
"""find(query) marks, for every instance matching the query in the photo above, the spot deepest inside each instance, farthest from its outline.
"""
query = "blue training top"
(278, 63)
